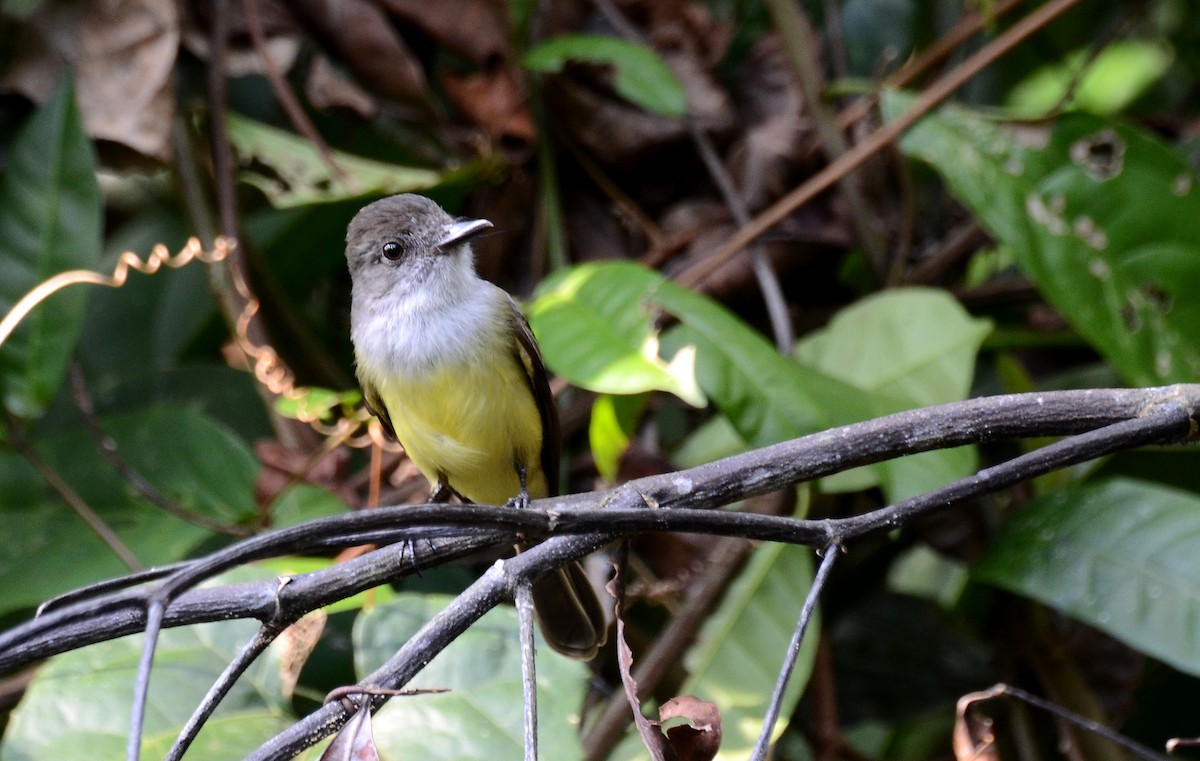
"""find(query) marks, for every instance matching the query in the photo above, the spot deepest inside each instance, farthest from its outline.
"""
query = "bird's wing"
(539, 383)
(376, 406)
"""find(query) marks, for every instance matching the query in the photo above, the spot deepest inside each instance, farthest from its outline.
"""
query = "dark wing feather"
(539, 384)
(376, 407)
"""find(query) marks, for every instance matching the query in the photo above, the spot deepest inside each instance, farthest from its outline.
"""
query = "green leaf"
(46, 549)
(77, 706)
(313, 403)
(907, 348)
(1105, 84)
(298, 175)
(740, 648)
(711, 440)
(642, 77)
(613, 421)
(1099, 214)
(481, 718)
(1122, 556)
(595, 327)
(50, 221)
(917, 344)
(768, 397)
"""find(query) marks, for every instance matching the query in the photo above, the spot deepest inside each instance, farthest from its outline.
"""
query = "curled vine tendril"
(269, 369)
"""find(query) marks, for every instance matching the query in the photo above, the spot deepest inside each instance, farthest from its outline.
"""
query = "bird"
(449, 365)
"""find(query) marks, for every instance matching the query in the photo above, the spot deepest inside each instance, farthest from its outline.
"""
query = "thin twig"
(654, 664)
(793, 652)
(287, 99)
(146, 490)
(524, 605)
(155, 610)
(266, 634)
(77, 503)
(968, 25)
(1066, 715)
(930, 98)
(1114, 419)
(801, 47)
(768, 282)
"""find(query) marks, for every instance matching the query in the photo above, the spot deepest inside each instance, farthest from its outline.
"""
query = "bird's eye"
(392, 250)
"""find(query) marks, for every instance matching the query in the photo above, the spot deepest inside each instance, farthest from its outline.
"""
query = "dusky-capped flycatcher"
(449, 365)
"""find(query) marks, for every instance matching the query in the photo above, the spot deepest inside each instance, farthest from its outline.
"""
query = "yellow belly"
(469, 426)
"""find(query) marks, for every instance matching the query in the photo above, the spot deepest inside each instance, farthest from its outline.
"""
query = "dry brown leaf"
(364, 39)
(973, 738)
(284, 466)
(328, 89)
(650, 731)
(496, 101)
(354, 742)
(123, 55)
(700, 738)
(763, 158)
(298, 642)
(474, 30)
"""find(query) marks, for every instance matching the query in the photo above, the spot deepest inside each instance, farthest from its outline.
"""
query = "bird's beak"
(461, 231)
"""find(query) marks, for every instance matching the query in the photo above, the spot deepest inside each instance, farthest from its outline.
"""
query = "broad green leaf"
(77, 707)
(740, 648)
(906, 348)
(613, 421)
(596, 328)
(768, 397)
(916, 344)
(921, 572)
(1104, 83)
(50, 221)
(641, 77)
(1099, 214)
(223, 394)
(46, 549)
(1121, 555)
(481, 717)
(710, 441)
(299, 175)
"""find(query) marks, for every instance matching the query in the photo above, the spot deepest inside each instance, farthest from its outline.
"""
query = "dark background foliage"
(1039, 229)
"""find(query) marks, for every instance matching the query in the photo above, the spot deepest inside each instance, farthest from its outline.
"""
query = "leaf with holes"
(1101, 215)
